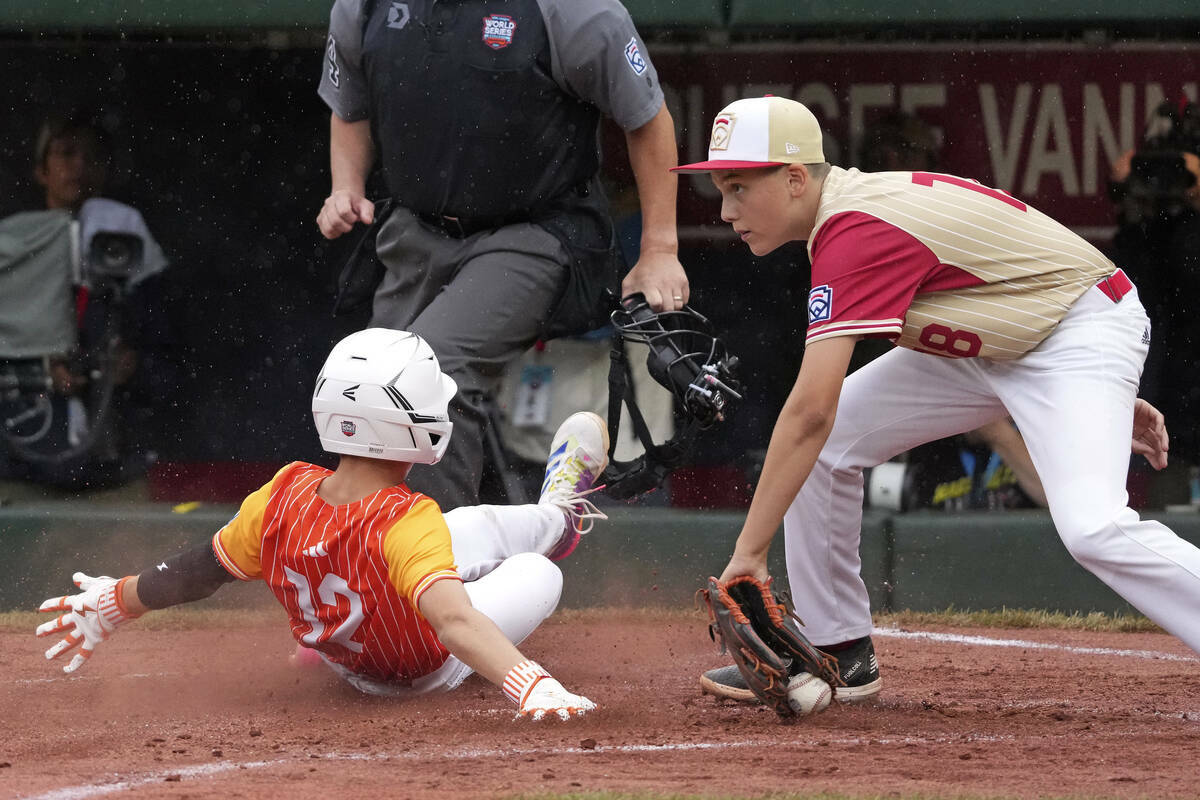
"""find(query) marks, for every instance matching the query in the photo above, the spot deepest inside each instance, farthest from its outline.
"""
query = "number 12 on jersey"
(332, 586)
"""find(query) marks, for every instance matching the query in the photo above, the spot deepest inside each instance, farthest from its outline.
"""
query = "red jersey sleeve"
(865, 273)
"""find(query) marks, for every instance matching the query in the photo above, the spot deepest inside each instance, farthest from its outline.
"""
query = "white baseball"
(808, 694)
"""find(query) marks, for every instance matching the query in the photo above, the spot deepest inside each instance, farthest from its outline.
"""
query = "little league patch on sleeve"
(820, 304)
(634, 56)
(331, 57)
(498, 30)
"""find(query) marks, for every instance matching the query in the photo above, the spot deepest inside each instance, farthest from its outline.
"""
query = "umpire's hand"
(342, 210)
(660, 277)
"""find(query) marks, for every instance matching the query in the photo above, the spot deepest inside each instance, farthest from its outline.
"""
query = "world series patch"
(498, 31)
(634, 56)
(820, 304)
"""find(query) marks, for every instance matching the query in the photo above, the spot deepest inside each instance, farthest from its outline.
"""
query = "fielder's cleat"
(578, 454)
(857, 666)
(728, 683)
(859, 670)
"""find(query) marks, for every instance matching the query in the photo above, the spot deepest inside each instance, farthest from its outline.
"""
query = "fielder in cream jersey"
(943, 264)
(996, 309)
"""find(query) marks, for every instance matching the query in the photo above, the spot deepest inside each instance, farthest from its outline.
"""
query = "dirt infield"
(973, 713)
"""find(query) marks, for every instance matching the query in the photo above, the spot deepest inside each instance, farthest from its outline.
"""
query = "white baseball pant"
(500, 552)
(1071, 397)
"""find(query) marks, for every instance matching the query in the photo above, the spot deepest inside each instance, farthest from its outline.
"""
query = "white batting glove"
(90, 617)
(537, 694)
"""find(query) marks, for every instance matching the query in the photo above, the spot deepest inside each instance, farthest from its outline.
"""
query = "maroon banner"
(1040, 121)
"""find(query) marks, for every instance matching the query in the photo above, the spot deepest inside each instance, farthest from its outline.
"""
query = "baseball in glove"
(762, 634)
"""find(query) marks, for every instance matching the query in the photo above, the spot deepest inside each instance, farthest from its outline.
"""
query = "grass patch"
(1020, 618)
(948, 618)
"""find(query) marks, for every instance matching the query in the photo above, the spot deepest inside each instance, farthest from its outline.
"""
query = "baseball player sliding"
(395, 597)
(996, 309)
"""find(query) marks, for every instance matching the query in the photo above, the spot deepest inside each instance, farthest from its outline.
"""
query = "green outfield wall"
(642, 556)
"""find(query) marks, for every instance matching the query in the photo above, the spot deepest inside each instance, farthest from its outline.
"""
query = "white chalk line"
(99, 789)
(985, 641)
(91, 678)
(83, 791)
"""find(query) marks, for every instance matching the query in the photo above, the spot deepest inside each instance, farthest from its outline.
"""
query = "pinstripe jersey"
(350, 576)
(942, 265)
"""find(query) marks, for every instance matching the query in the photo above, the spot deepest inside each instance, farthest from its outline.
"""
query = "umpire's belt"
(1116, 285)
(462, 227)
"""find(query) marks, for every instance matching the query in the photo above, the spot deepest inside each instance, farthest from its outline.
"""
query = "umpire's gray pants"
(479, 302)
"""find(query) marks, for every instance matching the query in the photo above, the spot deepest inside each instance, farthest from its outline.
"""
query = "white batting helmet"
(381, 394)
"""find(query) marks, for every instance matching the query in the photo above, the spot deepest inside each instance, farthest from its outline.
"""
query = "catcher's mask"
(686, 358)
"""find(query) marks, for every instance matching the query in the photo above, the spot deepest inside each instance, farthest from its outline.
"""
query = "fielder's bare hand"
(1150, 434)
(89, 617)
(342, 210)
(660, 277)
(746, 565)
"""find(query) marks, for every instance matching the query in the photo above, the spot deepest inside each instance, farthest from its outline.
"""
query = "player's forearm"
(476, 641)
(184, 578)
(652, 152)
(351, 154)
(795, 445)
(800, 432)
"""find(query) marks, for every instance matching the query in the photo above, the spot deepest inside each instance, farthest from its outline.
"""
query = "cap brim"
(712, 166)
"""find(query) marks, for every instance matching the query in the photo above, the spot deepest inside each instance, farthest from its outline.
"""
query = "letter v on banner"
(1004, 154)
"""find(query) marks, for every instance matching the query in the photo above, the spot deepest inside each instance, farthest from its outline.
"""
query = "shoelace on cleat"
(579, 508)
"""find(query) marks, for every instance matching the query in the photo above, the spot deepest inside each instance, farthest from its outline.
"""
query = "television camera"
(38, 424)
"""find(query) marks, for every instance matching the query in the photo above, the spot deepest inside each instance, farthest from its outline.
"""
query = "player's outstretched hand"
(548, 696)
(89, 617)
(1150, 434)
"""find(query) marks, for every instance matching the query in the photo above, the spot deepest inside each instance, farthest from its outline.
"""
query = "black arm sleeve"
(189, 576)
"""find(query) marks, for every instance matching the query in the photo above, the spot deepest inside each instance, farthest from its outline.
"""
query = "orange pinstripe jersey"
(350, 576)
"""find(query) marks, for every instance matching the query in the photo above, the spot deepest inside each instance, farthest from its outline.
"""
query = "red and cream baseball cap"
(761, 132)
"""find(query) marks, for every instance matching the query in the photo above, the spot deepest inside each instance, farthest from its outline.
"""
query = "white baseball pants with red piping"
(1072, 399)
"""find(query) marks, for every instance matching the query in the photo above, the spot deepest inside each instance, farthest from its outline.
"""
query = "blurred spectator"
(82, 326)
(899, 141)
(1156, 189)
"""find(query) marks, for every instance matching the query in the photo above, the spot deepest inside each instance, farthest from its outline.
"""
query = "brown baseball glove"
(762, 634)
